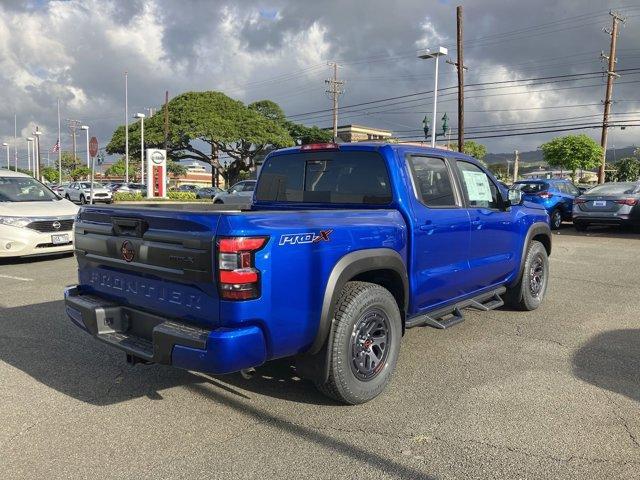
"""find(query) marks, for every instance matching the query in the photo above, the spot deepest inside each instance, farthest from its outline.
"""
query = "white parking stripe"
(11, 277)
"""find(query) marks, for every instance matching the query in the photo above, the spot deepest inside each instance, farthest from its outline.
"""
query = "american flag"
(56, 147)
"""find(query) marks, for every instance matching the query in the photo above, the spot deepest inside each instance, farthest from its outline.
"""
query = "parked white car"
(240, 194)
(81, 192)
(33, 219)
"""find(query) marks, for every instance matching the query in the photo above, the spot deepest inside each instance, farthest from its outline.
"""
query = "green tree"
(572, 152)
(50, 174)
(500, 171)
(210, 118)
(475, 149)
(80, 173)
(627, 169)
(301, 134)
(176, 168)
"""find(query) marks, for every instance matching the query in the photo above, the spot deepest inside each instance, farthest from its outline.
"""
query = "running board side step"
(452, 315)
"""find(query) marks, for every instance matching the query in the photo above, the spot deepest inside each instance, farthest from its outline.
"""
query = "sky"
(78, 51)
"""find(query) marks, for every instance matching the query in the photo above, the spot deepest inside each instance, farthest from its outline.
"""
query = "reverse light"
(320, 146)
(627, 201)
(238, 278)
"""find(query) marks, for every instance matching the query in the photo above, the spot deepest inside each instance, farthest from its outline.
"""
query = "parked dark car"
(187, 188)
(208, 192)
(555, 195)
(613, 203)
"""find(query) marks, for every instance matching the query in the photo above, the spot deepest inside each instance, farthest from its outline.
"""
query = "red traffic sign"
(93, 146)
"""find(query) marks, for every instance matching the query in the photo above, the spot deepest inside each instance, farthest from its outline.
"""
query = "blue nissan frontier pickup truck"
(343, 248)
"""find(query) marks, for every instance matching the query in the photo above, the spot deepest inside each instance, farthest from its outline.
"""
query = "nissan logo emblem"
(127, 251)
(56, 225)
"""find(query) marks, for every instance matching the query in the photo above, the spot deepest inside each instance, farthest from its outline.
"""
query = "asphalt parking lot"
(553, 393)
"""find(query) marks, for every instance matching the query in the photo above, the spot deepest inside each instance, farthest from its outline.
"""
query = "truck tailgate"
(156, 260)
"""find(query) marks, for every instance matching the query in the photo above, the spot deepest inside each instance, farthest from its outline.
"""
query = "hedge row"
(138, 197)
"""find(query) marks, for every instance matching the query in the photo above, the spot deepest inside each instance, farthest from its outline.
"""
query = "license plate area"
(60, 239)
(599, 203)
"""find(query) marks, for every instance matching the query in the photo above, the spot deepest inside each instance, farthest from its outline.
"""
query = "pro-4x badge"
(300, 238)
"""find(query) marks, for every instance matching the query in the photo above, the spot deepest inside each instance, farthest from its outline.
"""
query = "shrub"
(128, 197)
(182, 196)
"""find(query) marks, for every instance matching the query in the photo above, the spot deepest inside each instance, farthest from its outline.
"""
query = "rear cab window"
(332, 177)
(432, 181)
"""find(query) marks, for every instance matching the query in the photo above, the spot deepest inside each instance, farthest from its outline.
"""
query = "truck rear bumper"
(160, 340)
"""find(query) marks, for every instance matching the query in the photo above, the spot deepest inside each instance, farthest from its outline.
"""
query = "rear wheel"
(82, 200)
(556, 219)
(530, 290)
(366, 343)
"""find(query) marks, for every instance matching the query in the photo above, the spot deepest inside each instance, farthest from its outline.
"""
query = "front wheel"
(83, 201)
(556, 219)
(530, 290)
(366, 343)
(218, 202)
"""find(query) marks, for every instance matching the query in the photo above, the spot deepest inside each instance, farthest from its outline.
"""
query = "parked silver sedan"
(614, 203)
(240, 194)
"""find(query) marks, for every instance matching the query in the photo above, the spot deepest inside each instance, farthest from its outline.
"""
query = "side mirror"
(515, 196)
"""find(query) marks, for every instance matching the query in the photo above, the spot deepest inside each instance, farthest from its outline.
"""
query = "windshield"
(24, 189)
(614, 189)
(531, 187)
(88, 185)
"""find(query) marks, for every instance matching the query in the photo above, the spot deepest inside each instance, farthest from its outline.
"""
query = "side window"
(563, 188)
(433, 182)
(573, 190)
(479, 190)
(249, 187)
(237, 187)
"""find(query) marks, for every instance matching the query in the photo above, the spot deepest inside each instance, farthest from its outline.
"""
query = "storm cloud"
(78, 51)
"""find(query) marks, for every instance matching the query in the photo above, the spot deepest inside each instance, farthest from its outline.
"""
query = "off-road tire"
(357, 301)
(522, 295)
(555, 219)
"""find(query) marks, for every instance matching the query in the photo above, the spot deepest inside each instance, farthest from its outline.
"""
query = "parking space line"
(11, 277)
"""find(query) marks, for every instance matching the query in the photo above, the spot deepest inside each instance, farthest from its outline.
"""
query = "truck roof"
(375, 146)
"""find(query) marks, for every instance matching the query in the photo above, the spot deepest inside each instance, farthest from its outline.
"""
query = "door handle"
(426, 226)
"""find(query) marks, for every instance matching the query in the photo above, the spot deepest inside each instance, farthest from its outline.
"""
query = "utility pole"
(611, 76)
(334, 89)
(74, 125)
(515, 165)
(459, 64)
(15, 140)
(59, 148)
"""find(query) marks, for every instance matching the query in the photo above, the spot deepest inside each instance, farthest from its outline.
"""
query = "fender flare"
(537, 228)
(348, 267)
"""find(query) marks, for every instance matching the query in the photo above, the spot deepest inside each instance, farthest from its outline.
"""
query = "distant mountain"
(535, 156)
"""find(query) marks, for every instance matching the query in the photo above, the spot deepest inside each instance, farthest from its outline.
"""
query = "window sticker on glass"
(477, 186)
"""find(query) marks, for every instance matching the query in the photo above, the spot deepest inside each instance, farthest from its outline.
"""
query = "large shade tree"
(572, 152)
(202, 125)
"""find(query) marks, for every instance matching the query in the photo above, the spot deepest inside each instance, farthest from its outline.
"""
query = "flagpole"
(59, 148)
(15, 140)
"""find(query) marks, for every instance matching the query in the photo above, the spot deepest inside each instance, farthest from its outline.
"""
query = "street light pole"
(126, 127)
(36, 153)
(141, 116)
(89, 164)
(439, 52)
(29, 157)
(6, 145)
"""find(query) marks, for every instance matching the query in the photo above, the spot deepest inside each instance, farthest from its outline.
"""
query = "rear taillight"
(579, 201)
(627, 201)
(238, 277)
(544, 194)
